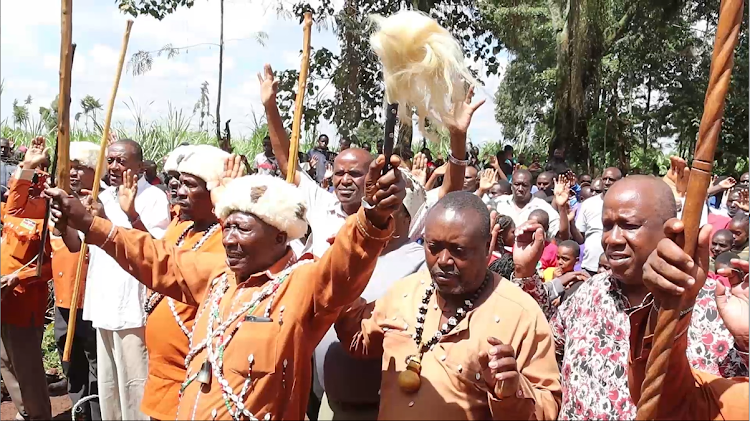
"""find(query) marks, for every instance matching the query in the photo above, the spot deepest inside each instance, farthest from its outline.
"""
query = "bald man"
(587, 229)
(592, 329)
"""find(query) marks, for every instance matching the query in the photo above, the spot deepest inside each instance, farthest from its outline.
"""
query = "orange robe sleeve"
(689, 394)
(342, 273)
(19, 201)
(184, 275)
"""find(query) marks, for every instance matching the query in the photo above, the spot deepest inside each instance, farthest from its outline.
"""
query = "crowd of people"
(417, 288)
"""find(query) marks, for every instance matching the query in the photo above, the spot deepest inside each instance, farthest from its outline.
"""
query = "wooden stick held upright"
(727, 34)
(95, 191)
(62, 174)
(300, 100)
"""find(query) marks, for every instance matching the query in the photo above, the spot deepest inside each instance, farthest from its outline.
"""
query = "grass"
(49, 349)
(157, 136)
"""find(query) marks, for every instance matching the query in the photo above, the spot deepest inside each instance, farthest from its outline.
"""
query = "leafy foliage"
(156, 8)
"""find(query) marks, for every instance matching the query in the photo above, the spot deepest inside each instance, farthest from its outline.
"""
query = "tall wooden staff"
(727, 33)
(95, 191)
(299, 102)
(61, 165)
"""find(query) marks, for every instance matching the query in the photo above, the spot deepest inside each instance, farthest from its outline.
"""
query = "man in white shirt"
(588, 227)
(114, 299)
(265, 162)
(520, 204)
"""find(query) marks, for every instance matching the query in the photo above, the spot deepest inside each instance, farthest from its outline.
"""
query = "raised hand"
(314, 161)
(528, 248)
(673, 276)
(126, 194)
(233, 168)
(488, 179)
(743, 202)
(732, 303)
(494, 231)
(500, 369)
(419, 168)
(329, 171)
(727, 183)
(36, 155)
(462, 113)
(269, 86)
(112, 138)
(561, 191)
(384, 194)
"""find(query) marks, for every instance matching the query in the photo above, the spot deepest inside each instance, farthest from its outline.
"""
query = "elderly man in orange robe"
(170, 322)
(24, 294)
(261, 313)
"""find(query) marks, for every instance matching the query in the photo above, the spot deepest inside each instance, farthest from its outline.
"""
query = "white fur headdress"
(86, 153)
(205, 162)
(423, 67)
(270, 198)
(176, 156)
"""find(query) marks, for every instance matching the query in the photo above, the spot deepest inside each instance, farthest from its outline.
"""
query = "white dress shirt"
(589, 224)
(115, 299)
(505, 206)
(324, 214)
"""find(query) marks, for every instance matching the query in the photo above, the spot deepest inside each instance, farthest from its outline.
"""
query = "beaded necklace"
(155, 298)
(409, 379)
(217, 338)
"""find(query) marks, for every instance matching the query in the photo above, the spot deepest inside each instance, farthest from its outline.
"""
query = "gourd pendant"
(409, 380)
(204, 375)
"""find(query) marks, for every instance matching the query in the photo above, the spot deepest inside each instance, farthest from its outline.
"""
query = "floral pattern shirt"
(592, 339)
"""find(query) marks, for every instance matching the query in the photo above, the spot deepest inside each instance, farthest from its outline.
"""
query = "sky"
(30, 56)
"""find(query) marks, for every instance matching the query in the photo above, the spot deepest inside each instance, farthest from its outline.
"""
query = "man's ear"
(281, 238)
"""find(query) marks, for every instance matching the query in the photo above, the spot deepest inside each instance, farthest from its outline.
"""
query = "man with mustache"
(114, 298)
(459, 342)
(592, 328)
(327, 212)
(170, 322)
(261, 312)
(66, 245)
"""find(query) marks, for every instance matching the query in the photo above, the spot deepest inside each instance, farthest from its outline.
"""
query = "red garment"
(549, 255)
(718, 222)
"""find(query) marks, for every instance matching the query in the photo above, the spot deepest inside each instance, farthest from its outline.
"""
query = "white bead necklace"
(155, 298)
(216, 340)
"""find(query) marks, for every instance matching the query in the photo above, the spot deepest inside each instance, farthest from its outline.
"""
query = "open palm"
(269, 86)
(733, 303)
(127, 191)
(36, 154)
(463, 111)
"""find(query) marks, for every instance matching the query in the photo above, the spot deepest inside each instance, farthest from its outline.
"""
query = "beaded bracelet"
(456, 161)
(109, 236)
(364, 232)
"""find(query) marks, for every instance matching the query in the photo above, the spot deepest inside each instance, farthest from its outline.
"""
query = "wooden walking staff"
(299, 102)
(727, 33)
(95, 191)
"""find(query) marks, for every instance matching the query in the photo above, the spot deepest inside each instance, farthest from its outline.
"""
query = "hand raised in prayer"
(233, 168)
(419, 168)
(732, 303)
(126, 194)
(679, 173)
(743, 202)
(561, 191)
(488, 179)
(462, 113)
(528, 248)
(499, 369)
(36, 155)
(384, 194)
(672, 276)
(269, 86)
(68, 211)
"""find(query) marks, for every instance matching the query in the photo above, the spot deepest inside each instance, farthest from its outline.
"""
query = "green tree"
(20, 113)
(89, 106)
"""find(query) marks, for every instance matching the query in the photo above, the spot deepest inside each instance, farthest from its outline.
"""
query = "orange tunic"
(687, 394)
(23, 218)
(275, 356)
(452, 384)
(166, 342)
(64, 267)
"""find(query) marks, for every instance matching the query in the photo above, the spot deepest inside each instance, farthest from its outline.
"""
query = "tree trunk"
(222, 142)
(646, 120)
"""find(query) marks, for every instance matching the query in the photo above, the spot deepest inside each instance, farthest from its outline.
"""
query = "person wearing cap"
(170, 323)
(261, 312)
(24, 294)
(351, 385)
(81, 368)
(171, 163)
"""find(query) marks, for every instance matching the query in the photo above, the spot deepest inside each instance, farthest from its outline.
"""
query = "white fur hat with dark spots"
(205, 162)
(270, 198)
(86, 153)
(176, 156)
